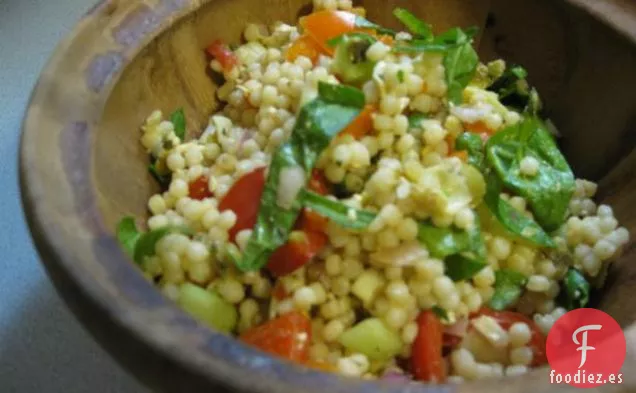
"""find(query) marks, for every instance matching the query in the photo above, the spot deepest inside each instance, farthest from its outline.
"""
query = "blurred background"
(42, 347)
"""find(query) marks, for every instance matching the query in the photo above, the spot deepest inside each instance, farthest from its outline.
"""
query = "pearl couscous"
(381, 202)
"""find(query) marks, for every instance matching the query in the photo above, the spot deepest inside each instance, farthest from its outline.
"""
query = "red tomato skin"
(507, 318)
(295, 254)
(310, 221)
(318, 183)
(223, 54)
(287, 336)
(325, 25)
(198, 189)
(279, 292)
(427, 362)
(244, 199)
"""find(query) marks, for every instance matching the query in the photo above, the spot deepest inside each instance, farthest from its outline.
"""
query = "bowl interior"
(583, 70)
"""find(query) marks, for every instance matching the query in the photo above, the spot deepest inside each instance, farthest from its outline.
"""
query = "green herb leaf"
(461, 267)
(334, 42)
(350, 60)
(177, 118)
(418, 27)
(463, 252)
(460, 63)
(509, 285)
(515, 92)
(421, 46)
(415, 119)
(147, 242)
(337, 211)
(162, 177)
(319, 121)
(441, 313)
(443, 242)
(128, 235)
(577, 290)
(550, 191)
(513, 220)
(141, 245)
(363, 23)
(474, 145)
(519, 72)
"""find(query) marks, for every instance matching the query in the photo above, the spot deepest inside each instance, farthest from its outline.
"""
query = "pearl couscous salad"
(372, 203)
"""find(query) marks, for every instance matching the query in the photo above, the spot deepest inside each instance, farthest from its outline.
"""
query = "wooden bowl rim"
(174, 334)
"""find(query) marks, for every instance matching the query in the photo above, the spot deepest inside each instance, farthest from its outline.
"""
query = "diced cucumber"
(373, 339)
(367, 286)
(208, 307)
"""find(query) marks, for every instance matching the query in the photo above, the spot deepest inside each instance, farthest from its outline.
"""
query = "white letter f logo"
(583, 346)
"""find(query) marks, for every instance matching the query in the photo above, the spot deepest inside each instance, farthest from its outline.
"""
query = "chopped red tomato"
(198, 189)
(310, 221)
(426, 355)
(279, 292)
(361, 125)
(508, 318)
(323, 26)
(318, 183)
(301, 248)
(244, 200)
(304, 46)
(449, 341)
(287, 336)
(223, 54)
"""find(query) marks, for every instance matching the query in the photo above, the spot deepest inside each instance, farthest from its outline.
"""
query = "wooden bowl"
(82, 167)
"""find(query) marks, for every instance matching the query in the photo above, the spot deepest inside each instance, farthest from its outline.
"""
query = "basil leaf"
(147, 242)
(420, 46)
(463, 252)
(548, 192)
(334, 42)
(474, 146)
(141, 245)
(441, 313)
(519, 72)
(461, 267)
(319, 121)
(460, 63)
(415, 25)
(363, 23)
(415, 119)
(163, 177)
(509, 285)
(177, 118)
(337, 211)
(513, 220)
(442, 242)
(515, 92)
(576, 292)
(128, 235)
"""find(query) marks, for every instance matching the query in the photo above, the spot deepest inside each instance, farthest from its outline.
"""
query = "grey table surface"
(42, 347)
